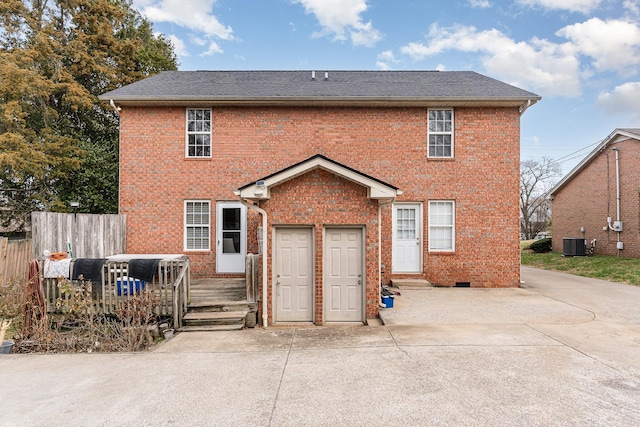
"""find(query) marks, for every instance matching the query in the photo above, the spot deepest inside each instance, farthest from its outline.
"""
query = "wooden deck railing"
(252, 277)
(181, 297)
(169, 287)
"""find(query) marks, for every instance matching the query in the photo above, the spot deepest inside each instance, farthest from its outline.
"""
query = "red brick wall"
(590, 197)
(386, 143)
(320, 199)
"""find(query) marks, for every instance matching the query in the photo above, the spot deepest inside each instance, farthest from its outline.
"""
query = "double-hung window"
(197, 225)
(442, 226)
(198, 132)
(440, 132)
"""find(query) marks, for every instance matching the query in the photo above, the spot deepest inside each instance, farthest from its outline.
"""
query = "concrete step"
(411, 284)
(213, 318)
(210, 328)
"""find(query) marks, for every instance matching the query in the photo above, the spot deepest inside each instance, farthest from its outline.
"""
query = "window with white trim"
(197, 225)
(198, 132)
(442, 225)
(440, 132)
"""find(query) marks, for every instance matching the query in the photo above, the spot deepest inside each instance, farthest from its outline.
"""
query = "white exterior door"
(293, 276)
(407, 238)
(231, 237)
(344, 281)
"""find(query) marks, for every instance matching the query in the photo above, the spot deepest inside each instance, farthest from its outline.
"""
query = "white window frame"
(435, 226)
(196, 133)
(432, 130)
(205, 226)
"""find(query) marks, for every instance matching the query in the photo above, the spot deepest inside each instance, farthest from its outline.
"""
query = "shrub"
(541, 246)
(78, 327)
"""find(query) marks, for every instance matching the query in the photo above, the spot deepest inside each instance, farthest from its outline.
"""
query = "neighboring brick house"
(600, 198)
(363, 176)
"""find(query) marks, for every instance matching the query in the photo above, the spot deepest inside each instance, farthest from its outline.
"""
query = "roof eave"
(323, 101)
(589, 157)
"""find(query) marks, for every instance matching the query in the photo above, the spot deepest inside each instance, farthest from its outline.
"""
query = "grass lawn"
(613, 269)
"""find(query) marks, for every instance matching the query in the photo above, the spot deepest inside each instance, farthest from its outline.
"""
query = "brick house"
(349, 178)
(599, 199)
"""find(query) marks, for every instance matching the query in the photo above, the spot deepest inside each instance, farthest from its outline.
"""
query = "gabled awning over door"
(261, 188)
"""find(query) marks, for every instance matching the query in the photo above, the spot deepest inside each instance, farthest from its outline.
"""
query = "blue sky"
(581, 56)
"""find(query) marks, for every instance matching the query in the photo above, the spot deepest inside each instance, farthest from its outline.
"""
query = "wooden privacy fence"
(90, 236)
(14, 259)
(115, 286)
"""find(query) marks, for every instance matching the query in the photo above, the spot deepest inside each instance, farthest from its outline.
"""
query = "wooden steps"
(218, 305)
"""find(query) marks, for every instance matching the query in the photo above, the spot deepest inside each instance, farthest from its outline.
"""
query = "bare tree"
(537, 177)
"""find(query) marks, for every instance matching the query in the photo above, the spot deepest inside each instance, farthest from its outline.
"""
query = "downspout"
(115, 108)
(524, 107)
(617, 185)
(380, 303)
(264, 257)
(617, 197)
(617, 224)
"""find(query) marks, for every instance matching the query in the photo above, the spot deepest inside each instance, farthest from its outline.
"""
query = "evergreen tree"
(57, 142)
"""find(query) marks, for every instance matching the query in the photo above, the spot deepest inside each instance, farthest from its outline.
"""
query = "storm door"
(231, 245)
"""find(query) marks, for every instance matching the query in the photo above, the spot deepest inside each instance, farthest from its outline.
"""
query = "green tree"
(58, 142)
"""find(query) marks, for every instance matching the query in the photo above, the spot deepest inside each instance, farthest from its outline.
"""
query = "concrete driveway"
(561, 350)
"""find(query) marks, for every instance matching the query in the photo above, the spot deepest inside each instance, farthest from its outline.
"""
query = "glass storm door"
(231, 246)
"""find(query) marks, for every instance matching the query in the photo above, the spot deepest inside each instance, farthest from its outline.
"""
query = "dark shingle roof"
(298, 86)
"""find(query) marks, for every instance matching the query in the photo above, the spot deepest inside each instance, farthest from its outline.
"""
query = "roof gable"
(328, 88)
(261, 189)
(618, 135)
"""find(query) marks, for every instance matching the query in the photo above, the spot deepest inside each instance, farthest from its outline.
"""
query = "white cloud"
(178, 46)
(623, 100)
(197, 40)
(213, 49)
(480, 4)
(582, 6)
(195, 15)
(343, 19)
(537, 65)
(385, 59)
(632, 6)
(614, 45)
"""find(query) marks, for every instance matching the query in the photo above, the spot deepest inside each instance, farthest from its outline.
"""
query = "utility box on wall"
(573, 246)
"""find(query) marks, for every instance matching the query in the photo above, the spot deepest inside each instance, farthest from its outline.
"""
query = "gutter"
(328, 100)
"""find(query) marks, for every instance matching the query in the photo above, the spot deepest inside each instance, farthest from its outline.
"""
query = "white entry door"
(231, 236)
(344, 281)
(293, 276)
(407, 238)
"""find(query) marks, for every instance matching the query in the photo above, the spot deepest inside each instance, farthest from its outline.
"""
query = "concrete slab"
(469, 335)
(341, 337)
(246, 340)
(613, 344)
(477, 306)
(544, 355)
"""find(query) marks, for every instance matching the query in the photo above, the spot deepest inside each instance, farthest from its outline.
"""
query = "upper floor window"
(441, 133)
(198, 132)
